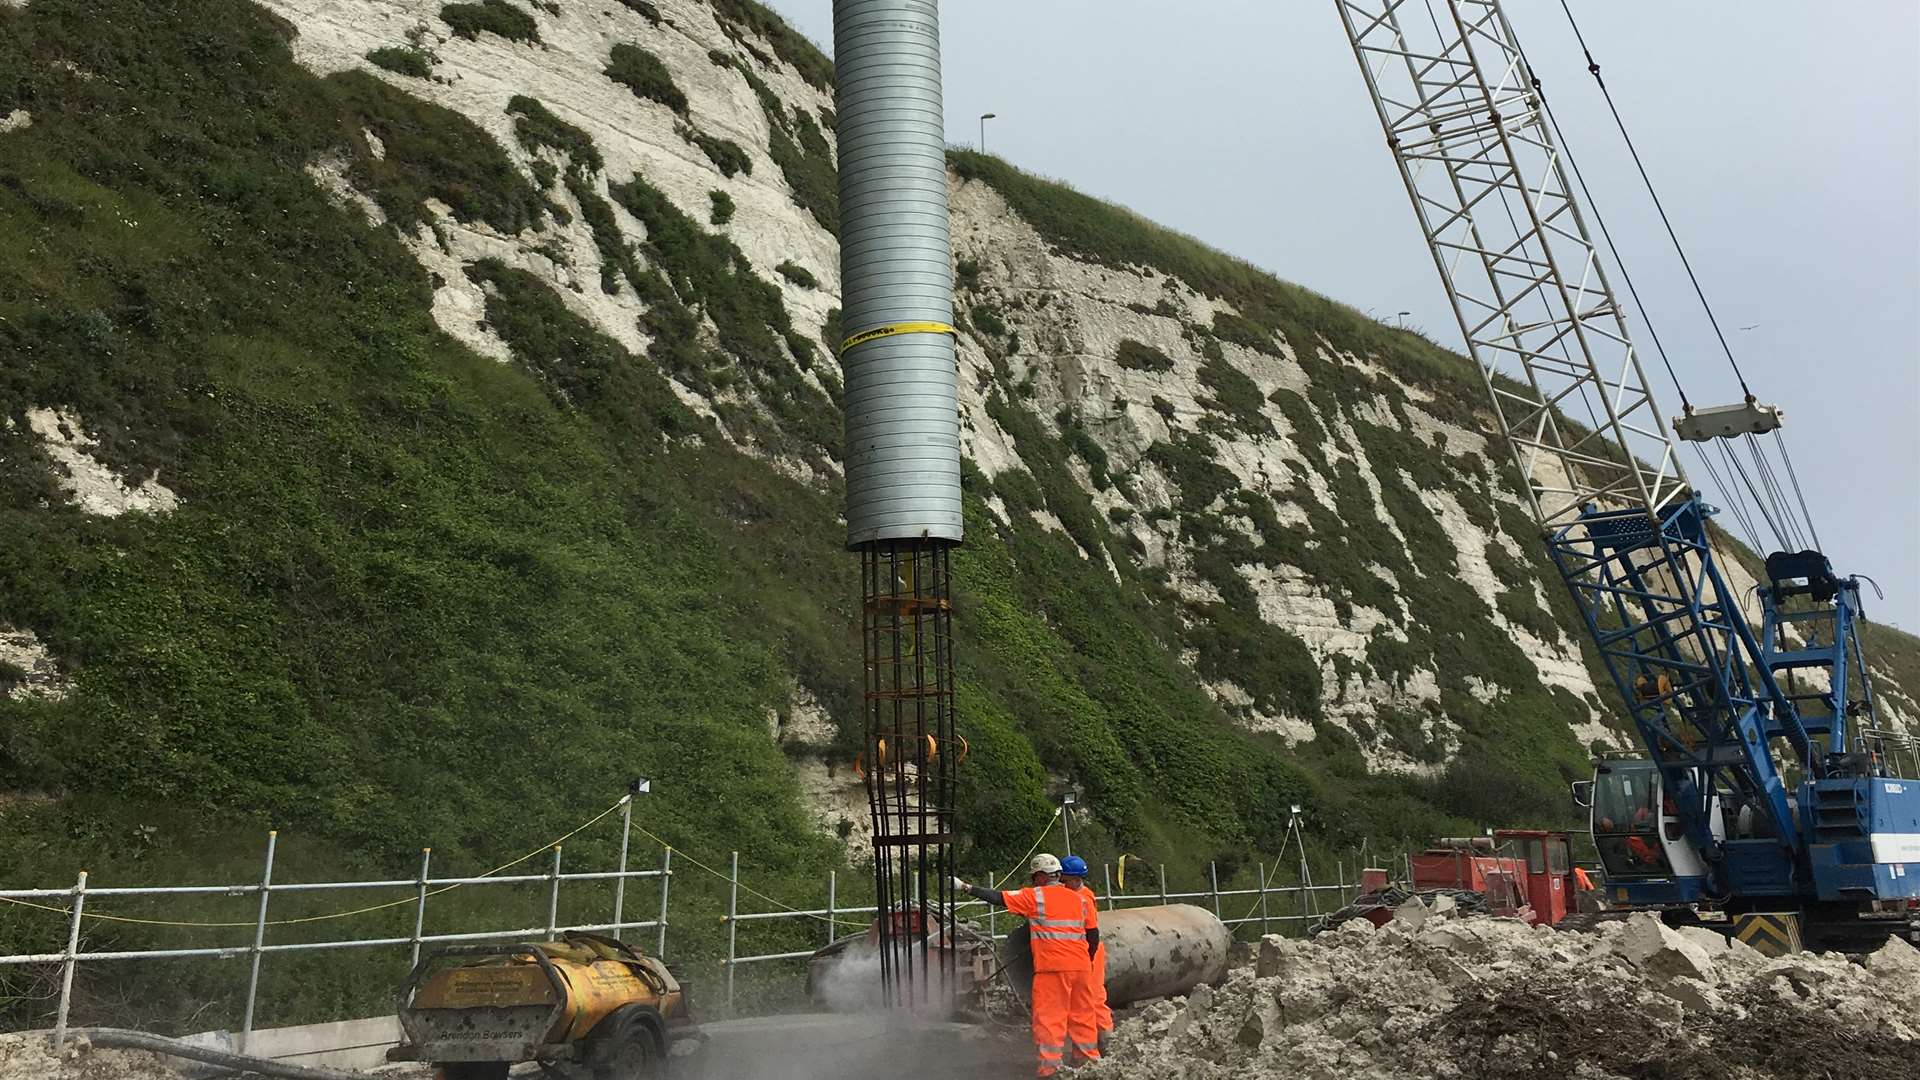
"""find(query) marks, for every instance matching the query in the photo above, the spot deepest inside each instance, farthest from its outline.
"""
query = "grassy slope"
(408, 598)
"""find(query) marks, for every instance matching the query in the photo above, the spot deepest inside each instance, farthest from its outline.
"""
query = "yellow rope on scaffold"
(1037, 841)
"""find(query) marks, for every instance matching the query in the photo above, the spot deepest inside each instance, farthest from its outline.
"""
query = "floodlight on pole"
(1067, 801)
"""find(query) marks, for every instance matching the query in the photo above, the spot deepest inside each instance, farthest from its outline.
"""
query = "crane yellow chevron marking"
(1771, 933)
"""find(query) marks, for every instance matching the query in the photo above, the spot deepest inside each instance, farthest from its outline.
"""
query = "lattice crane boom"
(1494, 196)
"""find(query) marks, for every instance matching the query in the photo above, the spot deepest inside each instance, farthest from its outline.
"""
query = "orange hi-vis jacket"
(1058, 926)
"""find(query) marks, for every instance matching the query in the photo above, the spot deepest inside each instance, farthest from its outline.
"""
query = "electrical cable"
(127, 1039)
(1593, 67)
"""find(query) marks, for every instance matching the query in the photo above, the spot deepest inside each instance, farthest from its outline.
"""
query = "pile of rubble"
(1435, 994)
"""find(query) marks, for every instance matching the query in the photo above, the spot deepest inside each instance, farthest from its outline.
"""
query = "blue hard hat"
(1073, 866)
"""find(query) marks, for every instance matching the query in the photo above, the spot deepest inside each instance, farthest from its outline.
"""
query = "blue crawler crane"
(1764, 789)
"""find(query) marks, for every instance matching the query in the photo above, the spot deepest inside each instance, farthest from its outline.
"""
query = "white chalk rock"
(1659, 950)
(1412, 914)
(1693, 995)
(1273, 959)
(1895, 959)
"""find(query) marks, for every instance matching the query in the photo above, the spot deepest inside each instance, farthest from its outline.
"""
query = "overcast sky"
(1784, 138)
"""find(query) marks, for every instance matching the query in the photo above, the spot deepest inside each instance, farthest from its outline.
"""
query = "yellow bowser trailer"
(588, 1006)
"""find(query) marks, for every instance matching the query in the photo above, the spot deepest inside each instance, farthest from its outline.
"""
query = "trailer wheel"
(630, 1047)
(474, 1070)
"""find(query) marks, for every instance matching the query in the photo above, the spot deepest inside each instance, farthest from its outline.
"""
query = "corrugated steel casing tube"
(901, 401)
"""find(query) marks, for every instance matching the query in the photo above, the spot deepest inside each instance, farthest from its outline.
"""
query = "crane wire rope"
(1797, 493)
(1593, 68)
(1771, 484)
(1760, 505)
(1633, 290)
(1734, 503)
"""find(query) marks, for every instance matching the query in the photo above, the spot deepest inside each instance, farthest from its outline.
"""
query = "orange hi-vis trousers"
(1093, 1002)
(1052, 1009)
(1083, 1020)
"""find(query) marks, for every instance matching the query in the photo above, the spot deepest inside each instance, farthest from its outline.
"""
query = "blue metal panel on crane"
(1658, 892)
(1759, 868)
(1884, 861)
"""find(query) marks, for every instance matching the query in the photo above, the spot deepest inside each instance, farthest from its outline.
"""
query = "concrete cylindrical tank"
(901, 402)
(1151, 952)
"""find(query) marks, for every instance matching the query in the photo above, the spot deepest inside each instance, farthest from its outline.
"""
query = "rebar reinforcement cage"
(909, 760)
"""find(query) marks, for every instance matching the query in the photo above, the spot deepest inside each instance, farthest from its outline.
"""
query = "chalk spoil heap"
(1431, 994)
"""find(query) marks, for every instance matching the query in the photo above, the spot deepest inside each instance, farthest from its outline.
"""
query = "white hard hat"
(1044, 863)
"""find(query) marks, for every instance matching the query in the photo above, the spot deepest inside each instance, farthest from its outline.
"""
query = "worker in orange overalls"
(1062, 945)
(1087, 1028)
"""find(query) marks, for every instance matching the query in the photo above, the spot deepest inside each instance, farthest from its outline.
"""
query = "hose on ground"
(124, 1039)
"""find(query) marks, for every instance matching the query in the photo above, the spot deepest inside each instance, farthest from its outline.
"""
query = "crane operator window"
(1626, 820)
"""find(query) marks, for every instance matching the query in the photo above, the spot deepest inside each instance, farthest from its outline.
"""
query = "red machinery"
(1524, 872)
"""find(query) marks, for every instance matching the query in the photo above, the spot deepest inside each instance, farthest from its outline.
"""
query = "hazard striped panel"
(1773, 933)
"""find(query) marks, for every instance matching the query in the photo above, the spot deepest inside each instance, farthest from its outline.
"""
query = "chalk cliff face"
(1060, 338)
(1229, 542)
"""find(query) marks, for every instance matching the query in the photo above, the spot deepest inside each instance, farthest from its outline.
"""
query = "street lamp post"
(1401, 318)
(984, 117)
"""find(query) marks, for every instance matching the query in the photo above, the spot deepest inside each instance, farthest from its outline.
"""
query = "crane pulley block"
(1749, 417)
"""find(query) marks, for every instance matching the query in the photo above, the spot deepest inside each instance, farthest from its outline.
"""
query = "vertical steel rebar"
(666, 878)
(420, 906)
(69, 960)
(733, 927)
(259, 939)
(620, 883)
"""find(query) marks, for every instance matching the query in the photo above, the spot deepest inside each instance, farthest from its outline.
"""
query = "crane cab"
(1642, 838)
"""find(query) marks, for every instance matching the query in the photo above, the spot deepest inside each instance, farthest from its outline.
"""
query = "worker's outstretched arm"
(1093, 941)
(991, 896)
